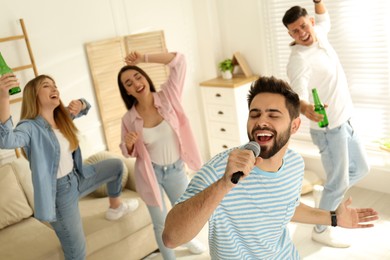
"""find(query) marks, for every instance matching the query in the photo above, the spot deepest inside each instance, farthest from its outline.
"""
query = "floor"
(367, 244)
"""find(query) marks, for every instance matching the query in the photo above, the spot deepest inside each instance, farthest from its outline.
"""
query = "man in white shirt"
(313, 63)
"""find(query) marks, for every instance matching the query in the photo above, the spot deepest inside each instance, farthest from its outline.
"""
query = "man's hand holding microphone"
(241, 162)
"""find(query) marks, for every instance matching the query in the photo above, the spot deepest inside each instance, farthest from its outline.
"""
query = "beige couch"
(24, 237)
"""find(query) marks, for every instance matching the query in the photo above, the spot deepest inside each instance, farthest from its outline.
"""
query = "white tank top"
(66, 160)
(162, 144)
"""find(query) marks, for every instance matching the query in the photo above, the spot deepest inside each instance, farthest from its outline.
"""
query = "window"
(361, 37)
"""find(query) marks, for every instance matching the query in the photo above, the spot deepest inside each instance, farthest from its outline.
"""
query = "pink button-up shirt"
(168, 104)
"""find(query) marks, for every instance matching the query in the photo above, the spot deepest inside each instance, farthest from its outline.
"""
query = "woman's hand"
(130, 139)
(75, 106)
(7, 81)
(134, 58)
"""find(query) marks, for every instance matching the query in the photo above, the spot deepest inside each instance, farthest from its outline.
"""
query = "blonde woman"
(48, 137)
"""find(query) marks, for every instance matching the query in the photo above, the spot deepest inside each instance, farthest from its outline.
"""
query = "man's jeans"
(344, 160)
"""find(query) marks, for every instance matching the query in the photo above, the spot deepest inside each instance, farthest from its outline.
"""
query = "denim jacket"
(43, 153)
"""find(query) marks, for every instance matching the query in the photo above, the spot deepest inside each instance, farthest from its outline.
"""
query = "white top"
(162, 144)
(66, 160)
(318, 66)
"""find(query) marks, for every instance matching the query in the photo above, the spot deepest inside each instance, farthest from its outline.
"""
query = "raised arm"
(136, 57)
(78, 107)
(319, 6)
(7, 81)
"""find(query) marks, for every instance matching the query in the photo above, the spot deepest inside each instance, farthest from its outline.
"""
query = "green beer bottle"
(319, 108)
(4, 69)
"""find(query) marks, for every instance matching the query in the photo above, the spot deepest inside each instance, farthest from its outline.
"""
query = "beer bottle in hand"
(319, 108)
(4, 69)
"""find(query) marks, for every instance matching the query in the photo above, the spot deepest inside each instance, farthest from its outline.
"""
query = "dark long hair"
(129, 100)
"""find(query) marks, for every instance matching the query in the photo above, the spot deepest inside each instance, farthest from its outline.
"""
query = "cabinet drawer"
(221, 113)
(218, 95)
(219, 145)
(224, 131)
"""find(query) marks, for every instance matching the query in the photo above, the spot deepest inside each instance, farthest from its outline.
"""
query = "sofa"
(24, 237)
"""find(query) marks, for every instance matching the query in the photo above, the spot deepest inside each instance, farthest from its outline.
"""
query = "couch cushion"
(101, 232)
(29, 239)
(23, 174)
(100, 156)
(13, 202)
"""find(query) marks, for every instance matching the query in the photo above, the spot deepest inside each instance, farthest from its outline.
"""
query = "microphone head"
(254, 147)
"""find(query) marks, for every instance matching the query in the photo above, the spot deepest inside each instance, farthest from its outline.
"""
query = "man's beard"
(280, 140)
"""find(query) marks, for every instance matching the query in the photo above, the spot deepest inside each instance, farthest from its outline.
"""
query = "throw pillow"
(13, 202)
(100, 156)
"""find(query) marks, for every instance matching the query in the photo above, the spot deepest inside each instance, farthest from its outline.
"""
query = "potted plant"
(226, 67)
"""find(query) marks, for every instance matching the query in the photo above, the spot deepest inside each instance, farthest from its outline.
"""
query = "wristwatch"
(333, 218)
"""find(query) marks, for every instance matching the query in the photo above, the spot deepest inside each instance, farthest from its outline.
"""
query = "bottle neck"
(316, 98)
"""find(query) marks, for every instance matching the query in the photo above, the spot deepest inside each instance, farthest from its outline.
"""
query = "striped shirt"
(251, 221)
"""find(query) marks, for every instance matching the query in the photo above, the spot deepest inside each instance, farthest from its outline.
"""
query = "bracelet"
(317, 2)
(146, 58)
(333, 218)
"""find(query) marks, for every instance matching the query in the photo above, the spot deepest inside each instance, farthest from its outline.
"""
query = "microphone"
(255, 148)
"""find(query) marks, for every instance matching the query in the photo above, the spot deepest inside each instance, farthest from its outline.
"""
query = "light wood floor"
(367, 244)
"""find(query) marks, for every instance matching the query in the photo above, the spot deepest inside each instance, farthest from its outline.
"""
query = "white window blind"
(361, 37)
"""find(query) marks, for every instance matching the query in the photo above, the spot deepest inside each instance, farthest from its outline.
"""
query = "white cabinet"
(226, 111)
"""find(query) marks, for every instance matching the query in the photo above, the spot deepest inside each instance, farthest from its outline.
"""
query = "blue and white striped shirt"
(251, 221)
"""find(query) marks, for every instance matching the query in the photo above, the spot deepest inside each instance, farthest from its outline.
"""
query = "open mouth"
(140, 89)
(306, 38)
(54, 96)
(264, 137)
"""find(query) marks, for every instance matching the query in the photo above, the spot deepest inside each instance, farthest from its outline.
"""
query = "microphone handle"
(236, 177)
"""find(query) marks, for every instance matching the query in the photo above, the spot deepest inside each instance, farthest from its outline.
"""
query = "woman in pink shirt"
(156, 131)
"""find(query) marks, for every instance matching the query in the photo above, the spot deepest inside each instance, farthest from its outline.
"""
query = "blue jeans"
(344, 161)
(70, 188)
(173, 180)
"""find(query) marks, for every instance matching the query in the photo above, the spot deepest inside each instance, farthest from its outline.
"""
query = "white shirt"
(162, 144)
(66, 160)
(318, 66)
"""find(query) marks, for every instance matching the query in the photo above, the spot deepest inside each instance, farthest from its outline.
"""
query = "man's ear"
(295, 125)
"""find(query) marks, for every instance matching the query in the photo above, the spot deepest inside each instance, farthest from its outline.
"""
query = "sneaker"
(327, 238)
(195, 247)
(126, 207)
(317, 194)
